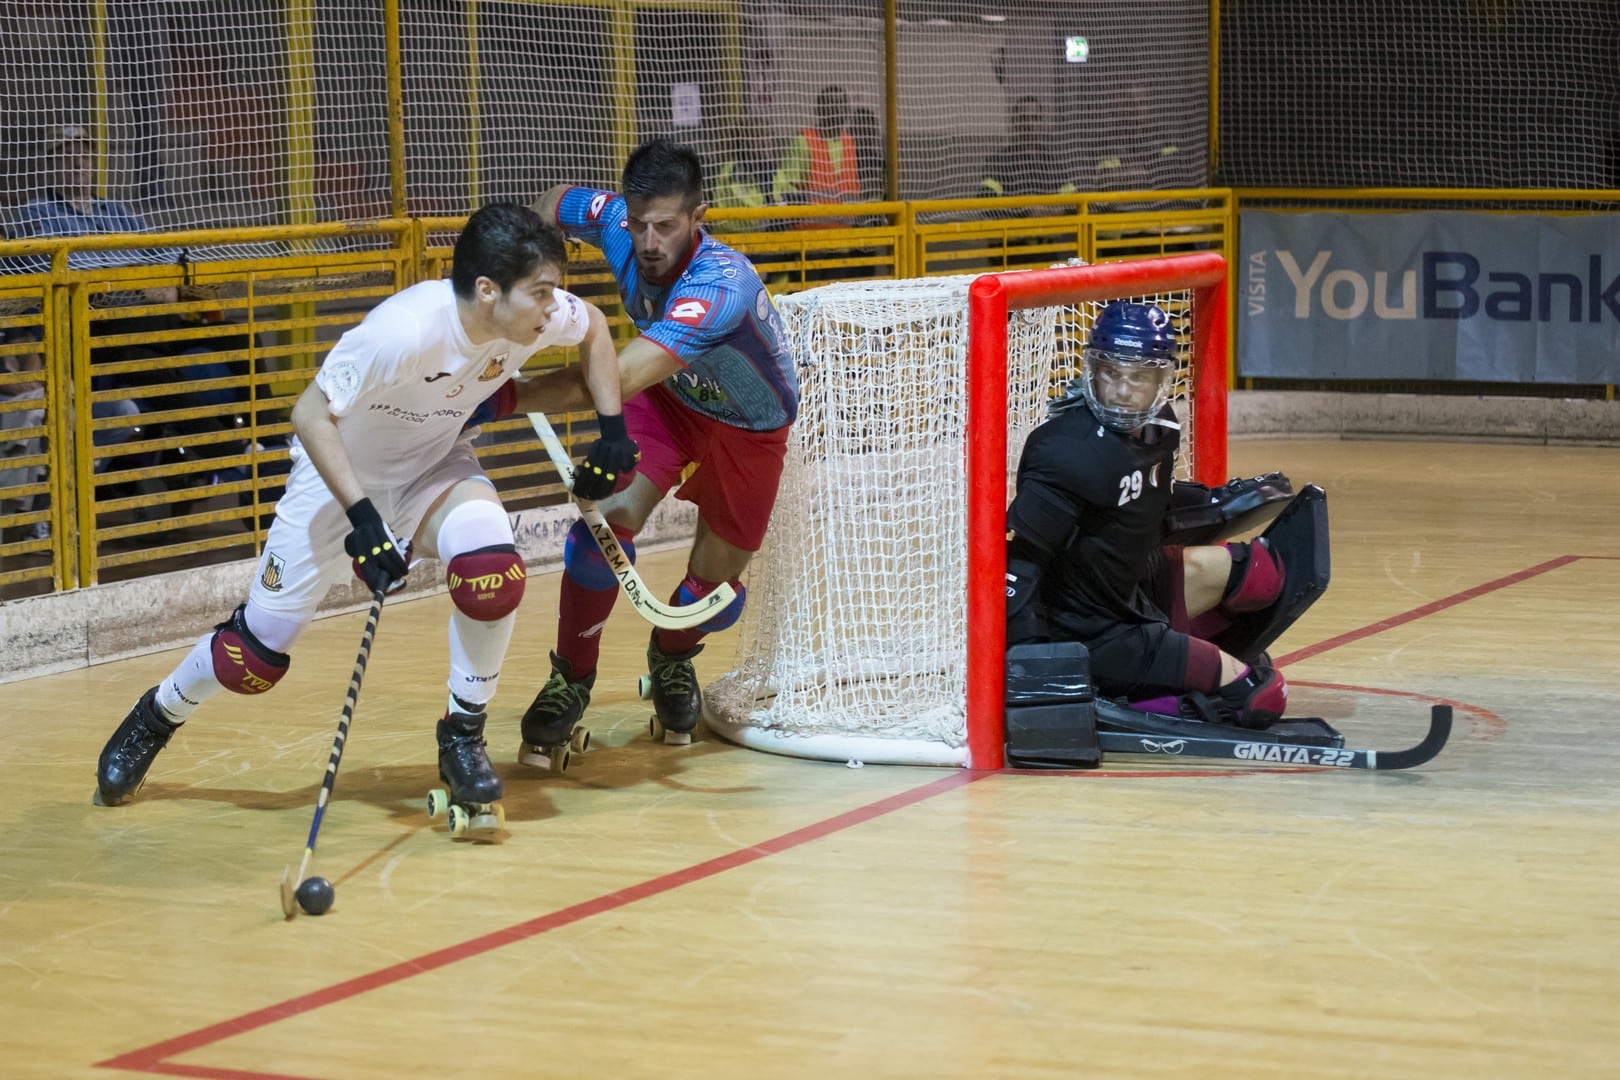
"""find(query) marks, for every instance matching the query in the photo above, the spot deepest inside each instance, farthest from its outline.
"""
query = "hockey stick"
(289, 884)
(660, 614)
(1120, 742)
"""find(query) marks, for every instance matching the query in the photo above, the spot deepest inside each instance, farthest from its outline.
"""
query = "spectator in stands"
(871, 166)
(821, 164)
(69, 206)
(744, 176)
(1027, 163)
(1145, 156)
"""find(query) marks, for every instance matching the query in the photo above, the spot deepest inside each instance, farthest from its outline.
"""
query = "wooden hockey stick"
(289, 884)
(662, 615)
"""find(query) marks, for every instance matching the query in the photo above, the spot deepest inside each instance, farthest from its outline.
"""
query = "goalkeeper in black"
(1085, 561)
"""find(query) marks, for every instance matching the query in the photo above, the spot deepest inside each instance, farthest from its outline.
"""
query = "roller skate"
(550, 733)
(472, 804)
(672, 686)
(131, 751)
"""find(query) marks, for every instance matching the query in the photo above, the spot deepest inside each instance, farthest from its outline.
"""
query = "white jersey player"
(383, 469)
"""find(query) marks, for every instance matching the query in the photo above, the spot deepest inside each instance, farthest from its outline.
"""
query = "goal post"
(876, 624)
(990, 299)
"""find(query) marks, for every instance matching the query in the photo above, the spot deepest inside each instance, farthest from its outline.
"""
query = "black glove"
(377, 562)
(611, 457)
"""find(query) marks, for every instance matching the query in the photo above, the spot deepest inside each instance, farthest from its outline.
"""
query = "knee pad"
(486, 584)
(721, 619)
(1256, 579)
(583, 561)
(242, 663)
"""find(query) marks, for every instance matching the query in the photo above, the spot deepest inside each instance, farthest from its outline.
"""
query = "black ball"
(315, 896)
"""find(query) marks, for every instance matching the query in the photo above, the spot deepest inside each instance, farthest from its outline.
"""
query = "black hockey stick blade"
(1177, 746)
(1432, 744)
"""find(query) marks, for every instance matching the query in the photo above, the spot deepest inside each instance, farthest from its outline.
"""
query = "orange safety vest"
(826, 184)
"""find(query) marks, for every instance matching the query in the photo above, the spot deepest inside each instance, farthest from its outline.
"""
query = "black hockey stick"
(289, 884)
(1119, 742)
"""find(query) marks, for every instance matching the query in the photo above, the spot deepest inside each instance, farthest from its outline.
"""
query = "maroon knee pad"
(1256, 579)
(242, 663)
(486, 584)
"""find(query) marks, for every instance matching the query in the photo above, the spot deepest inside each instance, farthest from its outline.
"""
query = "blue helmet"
(1130, 364)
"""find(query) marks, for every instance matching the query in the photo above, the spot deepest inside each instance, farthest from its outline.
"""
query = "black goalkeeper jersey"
(1119, 486)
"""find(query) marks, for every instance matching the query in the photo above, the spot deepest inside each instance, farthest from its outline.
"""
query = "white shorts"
(303, 554)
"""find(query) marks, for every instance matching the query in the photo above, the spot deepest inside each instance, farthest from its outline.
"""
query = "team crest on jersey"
(275, 571)
(762, 305)
(688, 310)
(494, 369)
(599, 203)
(458, 389)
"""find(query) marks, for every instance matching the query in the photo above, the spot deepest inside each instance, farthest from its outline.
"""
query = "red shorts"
(734, 484)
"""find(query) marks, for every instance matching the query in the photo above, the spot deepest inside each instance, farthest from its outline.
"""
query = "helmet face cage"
(1129, 364)
(1125, 391)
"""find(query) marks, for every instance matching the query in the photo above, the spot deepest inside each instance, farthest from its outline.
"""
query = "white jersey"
(403, 383)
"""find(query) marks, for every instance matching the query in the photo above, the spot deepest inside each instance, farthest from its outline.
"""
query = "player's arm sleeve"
(583, 213)
(571, 322)
(366, 360)
(1046, 511)
(696, 319)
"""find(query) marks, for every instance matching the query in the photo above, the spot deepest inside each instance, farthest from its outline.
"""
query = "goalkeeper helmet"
(1130, 363)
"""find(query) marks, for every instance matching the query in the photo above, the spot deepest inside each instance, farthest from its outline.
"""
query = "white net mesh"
(1490, 93)
(855, 639)
(262, 112)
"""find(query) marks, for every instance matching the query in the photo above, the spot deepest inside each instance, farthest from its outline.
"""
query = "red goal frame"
(990, 298)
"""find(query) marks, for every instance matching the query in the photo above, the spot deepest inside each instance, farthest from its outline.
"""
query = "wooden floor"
(717, 912)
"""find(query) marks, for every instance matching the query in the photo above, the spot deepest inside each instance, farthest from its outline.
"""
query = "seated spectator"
(821, 165)
(871, 163)
(69, 206)
(1027, 163)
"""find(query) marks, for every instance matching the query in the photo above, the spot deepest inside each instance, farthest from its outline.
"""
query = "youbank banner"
(1493, 298)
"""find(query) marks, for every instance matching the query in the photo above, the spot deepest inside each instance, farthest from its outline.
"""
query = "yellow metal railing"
(158, 435)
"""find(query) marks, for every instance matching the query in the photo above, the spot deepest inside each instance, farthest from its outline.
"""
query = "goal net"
(875, 628)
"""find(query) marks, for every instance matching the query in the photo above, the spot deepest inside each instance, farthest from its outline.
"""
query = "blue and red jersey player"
(710, 383)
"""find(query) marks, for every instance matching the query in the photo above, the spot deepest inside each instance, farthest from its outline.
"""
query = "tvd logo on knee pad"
(243, 665)
(486, 584)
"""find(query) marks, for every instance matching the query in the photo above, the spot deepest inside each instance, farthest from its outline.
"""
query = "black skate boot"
(672, 686)
(550, 733)
(472, 802)
(131, 751)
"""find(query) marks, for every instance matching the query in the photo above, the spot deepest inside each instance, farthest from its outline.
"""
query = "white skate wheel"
(644, 687)
(438, 802)
(459, 821)
(654, 727)
(581, 741)
(560, 759)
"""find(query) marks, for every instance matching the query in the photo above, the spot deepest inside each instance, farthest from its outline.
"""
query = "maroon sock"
(581, 615)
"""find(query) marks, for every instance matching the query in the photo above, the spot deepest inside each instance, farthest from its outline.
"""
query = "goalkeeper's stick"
(655, 611)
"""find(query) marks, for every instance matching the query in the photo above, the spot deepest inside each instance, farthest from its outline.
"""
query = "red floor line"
(152, 1059)
(1427, 609)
